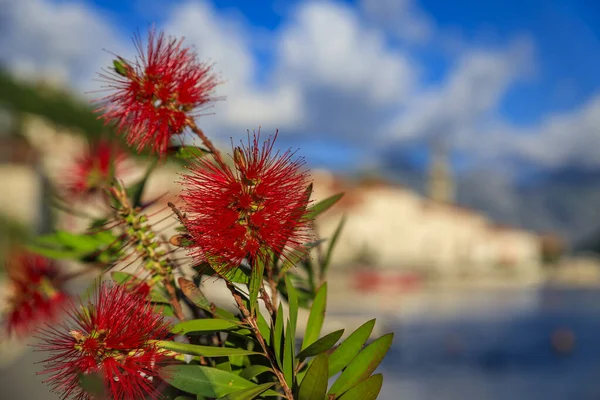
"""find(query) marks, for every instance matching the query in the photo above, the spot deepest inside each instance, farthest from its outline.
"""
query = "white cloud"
(60, 41)
(400, 17)
(328, 45)
(467, 101)
(225, 42)
(568, 138)
(333, 73)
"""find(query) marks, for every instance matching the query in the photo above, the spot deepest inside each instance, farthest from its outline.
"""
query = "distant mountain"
(565, 201)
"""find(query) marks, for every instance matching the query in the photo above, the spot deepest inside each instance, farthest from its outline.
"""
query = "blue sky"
(501, 81)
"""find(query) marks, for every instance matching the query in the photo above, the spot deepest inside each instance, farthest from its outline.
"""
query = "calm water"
(503, 354)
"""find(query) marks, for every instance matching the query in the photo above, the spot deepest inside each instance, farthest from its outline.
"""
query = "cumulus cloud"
(468, 98)
(402, 18)
(334, 74)
(61, 41)
(327, 45)
(568, 138)
(223, 41)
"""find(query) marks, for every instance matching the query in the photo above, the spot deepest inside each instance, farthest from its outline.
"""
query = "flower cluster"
(35, 296)
(112, 336)
(94, 169)
(155, 97)
(246, 211)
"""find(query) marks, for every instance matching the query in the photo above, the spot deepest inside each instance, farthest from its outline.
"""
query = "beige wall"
(405, 231)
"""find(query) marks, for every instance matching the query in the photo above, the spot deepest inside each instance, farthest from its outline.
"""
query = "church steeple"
(441, 183)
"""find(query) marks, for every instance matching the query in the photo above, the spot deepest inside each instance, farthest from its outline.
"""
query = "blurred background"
(464, 134)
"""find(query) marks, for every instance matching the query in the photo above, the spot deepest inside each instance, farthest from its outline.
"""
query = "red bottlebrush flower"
(155, 97)
(256, 207)
(94, 169)
(110, 337)
(35, 293)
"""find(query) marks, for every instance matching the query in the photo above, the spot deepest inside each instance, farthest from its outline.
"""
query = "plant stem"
(206, 141)
(173, 300)
(251, 321)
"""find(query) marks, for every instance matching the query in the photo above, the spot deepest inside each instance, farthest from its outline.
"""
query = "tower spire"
(441, 186)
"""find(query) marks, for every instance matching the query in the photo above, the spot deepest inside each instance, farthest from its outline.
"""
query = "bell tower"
(441, 186)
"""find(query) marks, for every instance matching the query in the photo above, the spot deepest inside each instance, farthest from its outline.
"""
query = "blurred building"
(393, 228)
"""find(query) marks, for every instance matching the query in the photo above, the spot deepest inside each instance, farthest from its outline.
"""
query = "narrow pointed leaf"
(321, 345)
(278, 335)
(256, 280)
(205, 325)
(236, 275)
(248, 394)
(350, 347)
(263, 327)
(252, 371)
(332, 242)
(362, 366)
(205, 351)
(322, 206)
(292, 303)
(366, 390)
(288, 356)
(206, 381)
(314, 384)
(316, 317)
(195, 295)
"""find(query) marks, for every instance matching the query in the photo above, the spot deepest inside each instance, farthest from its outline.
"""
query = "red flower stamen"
(93, 170)
(154, 98)
(112, 336)
(36, 296)
(255, 208)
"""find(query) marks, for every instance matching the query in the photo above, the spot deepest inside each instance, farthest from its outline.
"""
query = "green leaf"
(253, 371)
(363, 365)
(263, 328)
(278, 335)
(157, 295)
(321, 345)
(248, 394)
(136, 191)
(322, 206)
(236, 275)
(314, 384)
(185, 398)
(316, 317)
(332, 242)
(366, 390)
(185, 153)
(350, 347)
(93, 384)
(205, 325)
(195, 295)
(70, 246)
(205, 351)
(256, 280)
(164, 309)
(206, 381)
(288, 356)
(292, 304)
